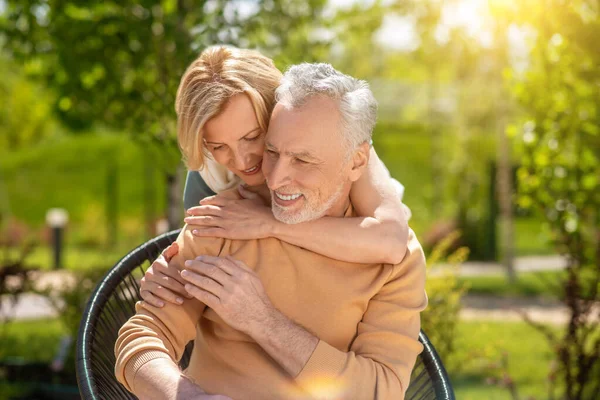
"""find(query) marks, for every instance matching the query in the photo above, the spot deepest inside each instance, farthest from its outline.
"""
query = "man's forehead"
(294, 149)
(308, 130)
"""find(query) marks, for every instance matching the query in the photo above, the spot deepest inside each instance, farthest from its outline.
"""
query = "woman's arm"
(380, 236)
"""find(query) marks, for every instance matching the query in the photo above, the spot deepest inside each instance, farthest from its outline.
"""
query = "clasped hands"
(226, 285)
(231, 289)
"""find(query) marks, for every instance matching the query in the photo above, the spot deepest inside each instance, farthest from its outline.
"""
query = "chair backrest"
(113, 302)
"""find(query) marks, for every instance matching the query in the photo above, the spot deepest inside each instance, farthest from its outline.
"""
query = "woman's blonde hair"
(207, 85)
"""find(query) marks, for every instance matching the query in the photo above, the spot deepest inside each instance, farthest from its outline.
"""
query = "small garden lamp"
(57, 219)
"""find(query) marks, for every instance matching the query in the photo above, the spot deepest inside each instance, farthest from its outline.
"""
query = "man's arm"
(158, 336)
(163, 379)
(382, 355)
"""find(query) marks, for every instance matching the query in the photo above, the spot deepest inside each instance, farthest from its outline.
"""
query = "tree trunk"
(437, 147)
(503, 157)
(505, 185)
(149, 194)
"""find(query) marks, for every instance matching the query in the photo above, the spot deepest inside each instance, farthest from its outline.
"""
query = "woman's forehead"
(235, 121)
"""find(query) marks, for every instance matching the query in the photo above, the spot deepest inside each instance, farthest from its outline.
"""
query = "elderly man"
(274, 321)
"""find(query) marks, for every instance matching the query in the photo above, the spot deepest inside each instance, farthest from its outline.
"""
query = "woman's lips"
(253, 170)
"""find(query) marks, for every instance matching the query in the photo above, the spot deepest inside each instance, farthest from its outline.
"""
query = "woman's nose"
(241, 160)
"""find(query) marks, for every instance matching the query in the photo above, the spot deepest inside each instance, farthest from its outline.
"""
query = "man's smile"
(286, 199)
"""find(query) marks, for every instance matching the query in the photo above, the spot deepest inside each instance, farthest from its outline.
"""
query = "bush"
(444, 291)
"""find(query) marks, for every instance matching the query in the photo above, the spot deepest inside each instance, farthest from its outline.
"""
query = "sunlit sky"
(398, 32)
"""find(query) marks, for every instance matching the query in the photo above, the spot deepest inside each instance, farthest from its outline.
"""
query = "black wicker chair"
(113, 303)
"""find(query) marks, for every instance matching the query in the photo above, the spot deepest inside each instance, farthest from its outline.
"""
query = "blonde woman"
(223, 105)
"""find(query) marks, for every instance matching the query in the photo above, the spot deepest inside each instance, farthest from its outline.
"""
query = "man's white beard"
(308, 213)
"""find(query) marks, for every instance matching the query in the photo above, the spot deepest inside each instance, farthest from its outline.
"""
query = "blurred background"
(488, 115)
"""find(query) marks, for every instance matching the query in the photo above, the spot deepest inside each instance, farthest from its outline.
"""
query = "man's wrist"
(263, 327)
(287, 342)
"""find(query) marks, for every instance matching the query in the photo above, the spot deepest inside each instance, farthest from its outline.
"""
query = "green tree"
(26, 116)
(560, 173)
(118, 63)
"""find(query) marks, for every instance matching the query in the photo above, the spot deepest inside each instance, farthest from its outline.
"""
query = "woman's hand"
(162, 282)
(228, 218)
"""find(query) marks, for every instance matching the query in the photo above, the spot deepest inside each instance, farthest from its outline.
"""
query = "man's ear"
(360, 160)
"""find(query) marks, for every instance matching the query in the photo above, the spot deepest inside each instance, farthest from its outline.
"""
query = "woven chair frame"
(113, 302)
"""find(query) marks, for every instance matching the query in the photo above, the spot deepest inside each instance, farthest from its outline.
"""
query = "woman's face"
(236, 141)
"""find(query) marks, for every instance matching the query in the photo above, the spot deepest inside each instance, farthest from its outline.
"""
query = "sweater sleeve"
(162, 332)
(384, 351)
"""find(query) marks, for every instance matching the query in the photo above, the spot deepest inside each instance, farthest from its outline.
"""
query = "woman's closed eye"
(253, 138)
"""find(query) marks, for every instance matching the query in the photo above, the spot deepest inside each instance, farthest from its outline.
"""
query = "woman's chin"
(253, 180)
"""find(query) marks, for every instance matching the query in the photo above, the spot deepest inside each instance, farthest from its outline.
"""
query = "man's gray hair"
(357, 105)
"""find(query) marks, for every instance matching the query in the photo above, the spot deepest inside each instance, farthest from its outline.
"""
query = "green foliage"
(444, 291)
(34, 340)
(118, 63)
(560, 174)
(529, 284)
(69, 301)
(26, 116)
(480, 347)
(72, 173)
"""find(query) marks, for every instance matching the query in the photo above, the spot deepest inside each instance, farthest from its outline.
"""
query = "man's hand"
(231, 289)
(237, 295)
(162, 282)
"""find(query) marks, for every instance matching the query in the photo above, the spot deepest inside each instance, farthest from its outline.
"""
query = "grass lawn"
(80, 173)
(35, 340)
(75, 258)
(530, 238)
(528, 284)
(480, 344)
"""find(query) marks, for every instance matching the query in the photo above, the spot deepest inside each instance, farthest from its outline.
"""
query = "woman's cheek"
(219, 157)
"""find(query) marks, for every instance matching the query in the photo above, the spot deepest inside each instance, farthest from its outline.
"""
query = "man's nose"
(279, 175)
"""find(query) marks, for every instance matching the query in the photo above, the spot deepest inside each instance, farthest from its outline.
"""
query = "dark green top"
(195, 190)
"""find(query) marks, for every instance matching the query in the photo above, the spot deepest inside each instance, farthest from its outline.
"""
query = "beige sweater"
(365, 315)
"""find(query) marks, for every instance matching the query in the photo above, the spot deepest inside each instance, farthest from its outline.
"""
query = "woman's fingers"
(160, 270)
(203, 220)
(172, 284)
(161, 274)
(205, 210)
(214, 200)
(154, 293)
(171, 251)
(151, 299)
(211, 232)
